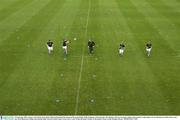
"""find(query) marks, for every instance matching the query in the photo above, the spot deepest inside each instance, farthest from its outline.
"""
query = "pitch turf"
(33, 82)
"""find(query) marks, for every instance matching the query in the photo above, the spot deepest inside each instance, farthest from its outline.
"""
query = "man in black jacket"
(91, 45)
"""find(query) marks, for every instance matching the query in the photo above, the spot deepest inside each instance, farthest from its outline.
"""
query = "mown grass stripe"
(91, 64)
(51, 83)
(6, 51)
(131, 22)
(22, 50)
(5, 3)
(11, 24)
(108, 36)
(25, 38)
(164, 81)
(82, 59)
(173, 4)
(173, 17)
(110, 84)
(13, 8)
(60, 81)
(163, 26)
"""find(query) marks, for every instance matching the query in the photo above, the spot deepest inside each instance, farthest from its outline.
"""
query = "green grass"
(102, 84)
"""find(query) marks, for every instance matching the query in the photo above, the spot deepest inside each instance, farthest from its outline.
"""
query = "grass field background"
(35, 83)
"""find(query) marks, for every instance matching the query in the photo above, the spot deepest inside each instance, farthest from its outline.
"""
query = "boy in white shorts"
(121, 49)
(65, 42)
(50, 46)
(148, 48)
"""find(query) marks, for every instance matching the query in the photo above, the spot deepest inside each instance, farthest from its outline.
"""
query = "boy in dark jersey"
(64, 46)
(148, 48)
(91, 45)
(50, 46)
(121, 48)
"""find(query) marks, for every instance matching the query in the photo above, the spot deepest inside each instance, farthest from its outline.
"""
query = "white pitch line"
(80, 56)
(82, 62)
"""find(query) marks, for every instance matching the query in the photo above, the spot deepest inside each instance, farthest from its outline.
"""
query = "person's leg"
(90, 50)
(49, 50)
(148, 52)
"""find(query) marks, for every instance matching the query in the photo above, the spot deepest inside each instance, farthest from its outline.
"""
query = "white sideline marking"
(82, 62)
(80, 56)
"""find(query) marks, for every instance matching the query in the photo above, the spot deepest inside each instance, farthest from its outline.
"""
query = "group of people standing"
(148, 48)
(91, 45)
